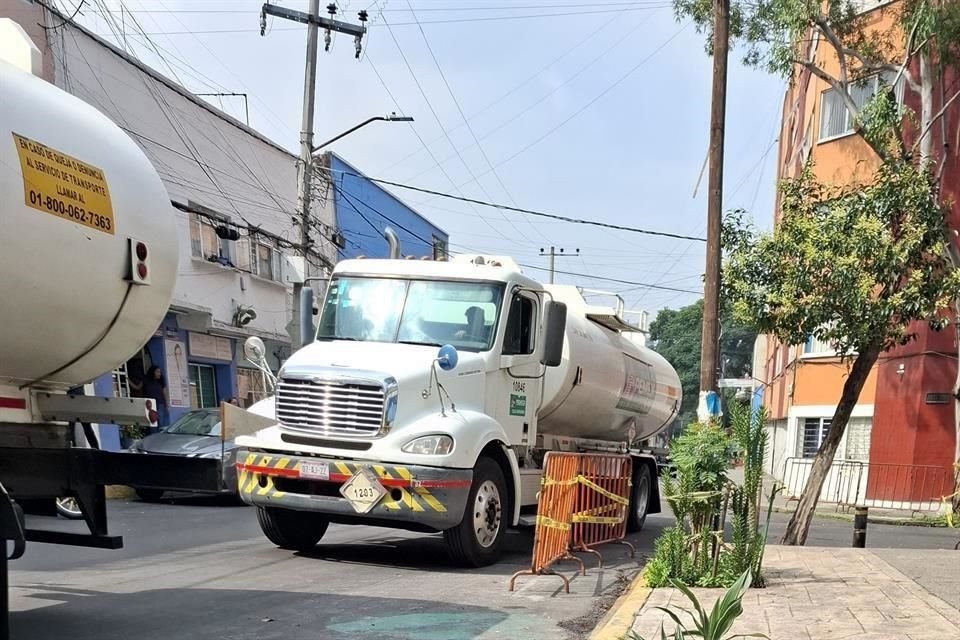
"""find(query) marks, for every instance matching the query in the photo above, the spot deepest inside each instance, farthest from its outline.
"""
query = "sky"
(592, 110)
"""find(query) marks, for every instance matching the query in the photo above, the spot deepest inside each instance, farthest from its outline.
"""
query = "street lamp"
(393, 117)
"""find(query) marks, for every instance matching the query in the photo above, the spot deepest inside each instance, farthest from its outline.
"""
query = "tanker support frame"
(42, 461)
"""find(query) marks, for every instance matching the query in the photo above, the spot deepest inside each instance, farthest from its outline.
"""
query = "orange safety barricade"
(551, 540)
(603, 500)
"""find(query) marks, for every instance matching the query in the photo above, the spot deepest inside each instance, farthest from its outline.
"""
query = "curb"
(119, 492)
(619, 619)
(892, 520)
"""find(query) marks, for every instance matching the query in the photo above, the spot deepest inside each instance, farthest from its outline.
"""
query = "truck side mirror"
(306, 316)
(556, 327)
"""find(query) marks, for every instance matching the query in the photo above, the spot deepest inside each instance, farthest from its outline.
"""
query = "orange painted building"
(900, 444)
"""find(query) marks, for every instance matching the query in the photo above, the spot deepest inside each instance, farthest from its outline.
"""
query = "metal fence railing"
(907, 487)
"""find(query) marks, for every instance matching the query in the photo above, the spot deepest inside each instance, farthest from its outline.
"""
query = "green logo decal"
(518, 405)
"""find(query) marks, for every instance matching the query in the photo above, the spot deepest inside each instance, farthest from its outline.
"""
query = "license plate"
(315, 470)
(363, 491)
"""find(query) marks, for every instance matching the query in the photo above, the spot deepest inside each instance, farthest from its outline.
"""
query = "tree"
(922, 38)
(853, 266)
(675, 334)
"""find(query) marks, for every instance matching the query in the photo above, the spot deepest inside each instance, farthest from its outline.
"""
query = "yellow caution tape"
(601, 510)
(548, 482)
(550, 523)
(592, 485)
(579, 518)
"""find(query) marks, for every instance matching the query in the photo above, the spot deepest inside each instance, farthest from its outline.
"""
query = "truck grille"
(330, 407)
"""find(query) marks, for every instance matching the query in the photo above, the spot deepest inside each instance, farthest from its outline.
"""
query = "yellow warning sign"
(63, 186)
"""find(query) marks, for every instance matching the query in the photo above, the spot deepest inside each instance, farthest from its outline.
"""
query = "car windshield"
(426, 312)
(197, 423)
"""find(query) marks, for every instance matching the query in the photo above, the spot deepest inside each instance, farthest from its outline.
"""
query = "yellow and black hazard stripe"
(414, 495)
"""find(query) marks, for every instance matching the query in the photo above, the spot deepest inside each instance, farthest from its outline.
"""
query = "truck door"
(521, 374)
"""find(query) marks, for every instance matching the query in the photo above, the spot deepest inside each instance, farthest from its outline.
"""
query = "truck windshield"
(426, 312)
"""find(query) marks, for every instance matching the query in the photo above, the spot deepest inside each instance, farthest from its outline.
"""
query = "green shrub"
(671, 558)
(695, 551)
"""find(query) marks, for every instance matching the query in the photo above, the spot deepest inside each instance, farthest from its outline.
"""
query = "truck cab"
(413, 407)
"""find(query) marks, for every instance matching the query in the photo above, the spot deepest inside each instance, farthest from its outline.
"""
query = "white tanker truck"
(87, 270)
(376, 426)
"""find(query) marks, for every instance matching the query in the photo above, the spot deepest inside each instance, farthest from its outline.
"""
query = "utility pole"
(314, 22)
(709, 346)
(553, 257)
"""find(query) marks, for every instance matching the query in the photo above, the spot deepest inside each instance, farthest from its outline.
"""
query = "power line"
(650, 7)
(466, 121)
(426, 9)
(552, 91)
(350, 201)
(417, 133)
(616, 280)
(596, 98)
(552, 216)
(517, 86)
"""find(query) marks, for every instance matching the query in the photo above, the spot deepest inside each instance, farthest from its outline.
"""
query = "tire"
(639, 497)
(149, 495)
(69, 508)
(477, 540)
(292, 530)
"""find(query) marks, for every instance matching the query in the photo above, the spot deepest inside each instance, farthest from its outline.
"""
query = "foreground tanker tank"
(607, 387)
(77, 197)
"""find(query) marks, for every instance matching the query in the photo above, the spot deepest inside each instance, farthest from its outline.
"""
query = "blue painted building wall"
(362, 209)
(225, 373)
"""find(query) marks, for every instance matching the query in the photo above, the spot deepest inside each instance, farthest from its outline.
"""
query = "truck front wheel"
(293, 530)
(639, 497)
(476, 541)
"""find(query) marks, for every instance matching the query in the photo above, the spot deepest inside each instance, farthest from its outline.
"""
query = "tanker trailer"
(429, 395)
(87, 269)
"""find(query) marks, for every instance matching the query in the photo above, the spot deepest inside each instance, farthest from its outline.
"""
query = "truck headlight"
(437, 445)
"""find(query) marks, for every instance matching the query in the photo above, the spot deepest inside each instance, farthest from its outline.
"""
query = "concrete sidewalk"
(819, 593)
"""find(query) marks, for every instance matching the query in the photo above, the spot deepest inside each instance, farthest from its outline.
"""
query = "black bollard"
(860, 528)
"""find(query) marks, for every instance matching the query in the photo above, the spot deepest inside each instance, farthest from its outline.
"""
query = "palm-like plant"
(708, 626)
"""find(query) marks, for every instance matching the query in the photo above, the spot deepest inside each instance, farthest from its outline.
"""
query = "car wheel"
(293, 530)
(477, 540)
(69, 508)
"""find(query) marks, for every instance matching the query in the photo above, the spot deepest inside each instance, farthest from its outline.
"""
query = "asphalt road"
(201, 569)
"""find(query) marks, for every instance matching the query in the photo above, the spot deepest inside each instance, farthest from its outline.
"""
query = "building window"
(816, 347)
(858, 439)
(863, 6)
(203, 386)
(439, 248)
(204, 241)
(520, 337)
(259, 256)
(835, 118)
(812, 436)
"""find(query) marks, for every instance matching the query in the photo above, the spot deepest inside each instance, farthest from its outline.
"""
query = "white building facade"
(236, 195)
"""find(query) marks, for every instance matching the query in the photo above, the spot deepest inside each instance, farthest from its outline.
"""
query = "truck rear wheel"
(476, 541)
(293, 530)
(639, 497)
